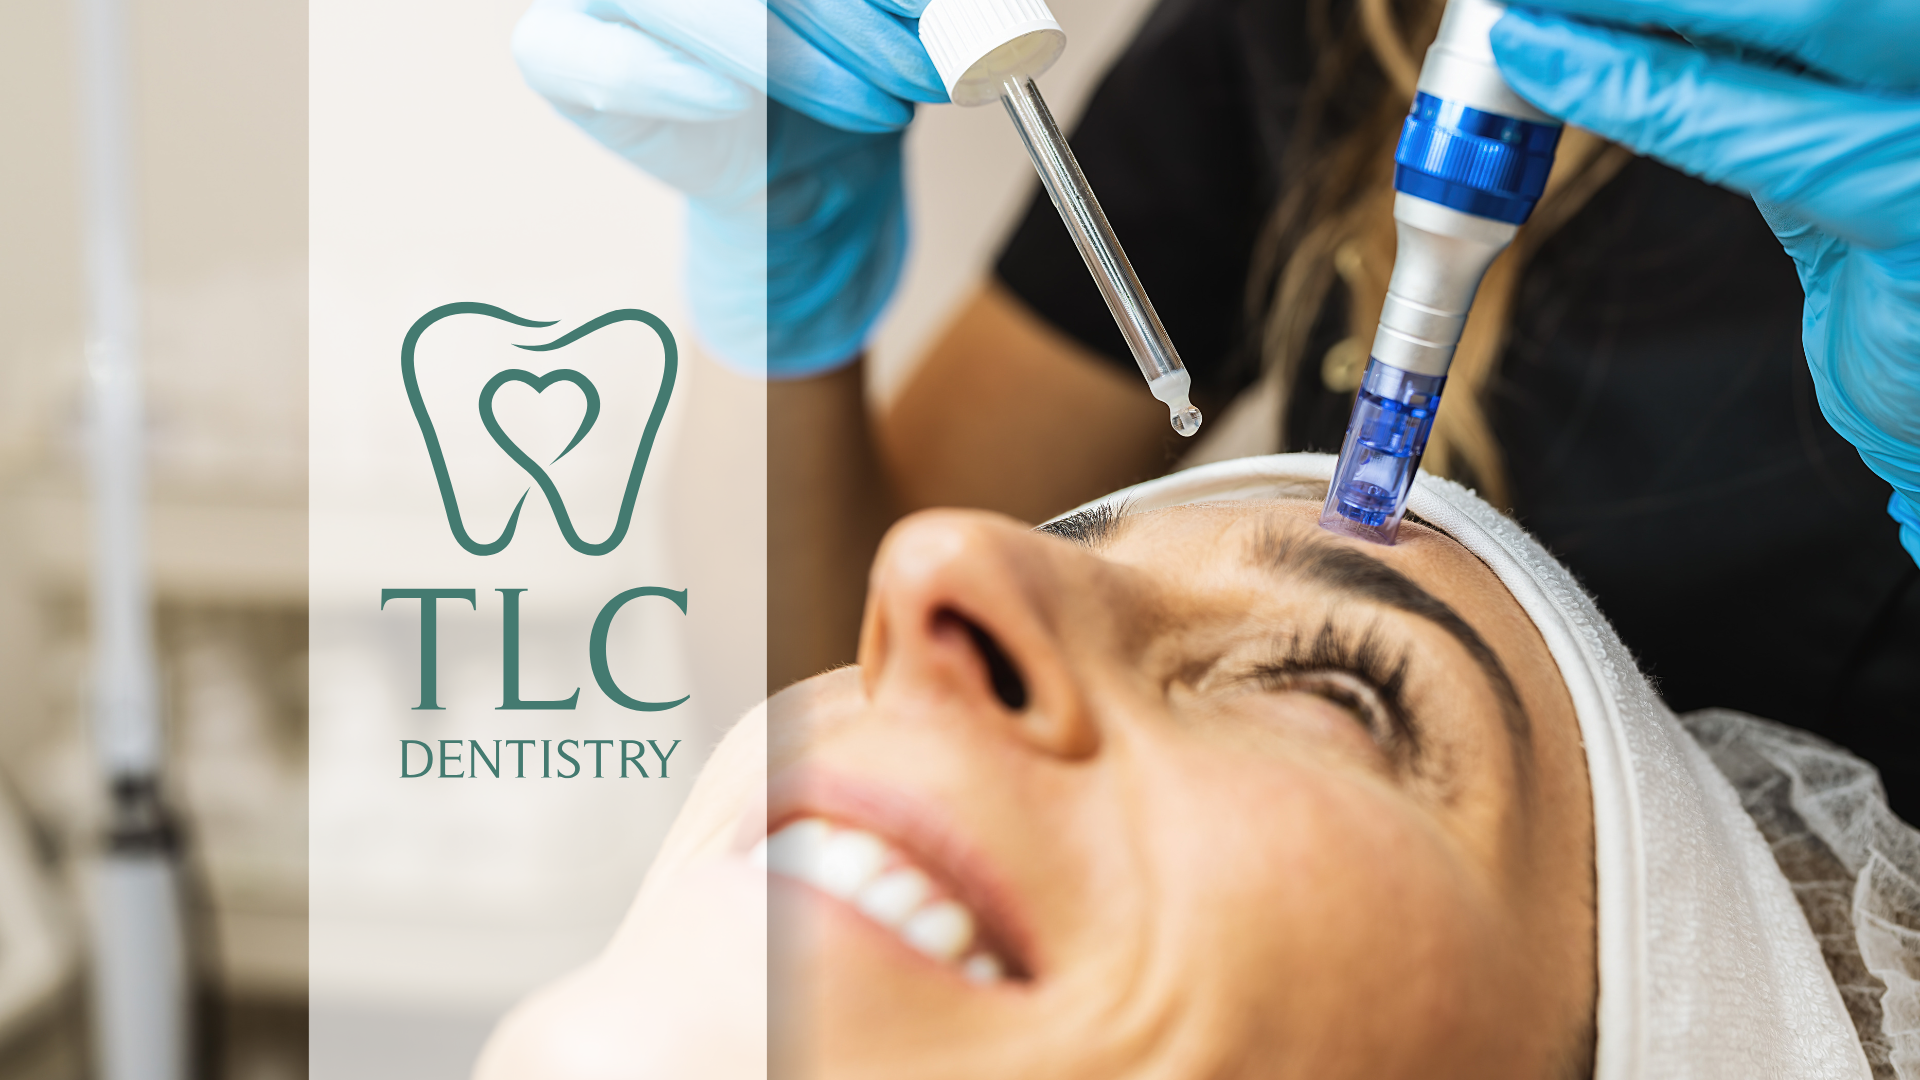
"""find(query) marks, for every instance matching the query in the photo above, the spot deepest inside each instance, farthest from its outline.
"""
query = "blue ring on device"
(1481, 163)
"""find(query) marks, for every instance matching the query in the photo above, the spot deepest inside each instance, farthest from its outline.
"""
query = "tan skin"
(1197, 871)
(1004, 413)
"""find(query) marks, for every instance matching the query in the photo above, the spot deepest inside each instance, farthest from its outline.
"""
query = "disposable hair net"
(1707, 967)
(1854, 867)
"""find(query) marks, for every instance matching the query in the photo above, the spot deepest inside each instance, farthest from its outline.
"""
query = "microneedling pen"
(993, 49)
(1472, 161)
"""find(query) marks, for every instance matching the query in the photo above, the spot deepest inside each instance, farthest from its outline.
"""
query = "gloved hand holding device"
(673, 87)
(1814, 110)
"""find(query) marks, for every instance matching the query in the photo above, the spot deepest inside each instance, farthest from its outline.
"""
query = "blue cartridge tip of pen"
(1392, 417)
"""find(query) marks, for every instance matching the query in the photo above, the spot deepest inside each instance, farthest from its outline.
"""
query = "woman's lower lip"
(876, 879)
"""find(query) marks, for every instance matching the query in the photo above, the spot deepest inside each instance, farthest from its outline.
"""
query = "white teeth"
(849, 860)
(795, 850)
(858, 866)
(983, 969)
(758, 856)
(893, 897)
(942, 931)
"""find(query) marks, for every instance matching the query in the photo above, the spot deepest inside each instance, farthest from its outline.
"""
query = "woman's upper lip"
(924, 834)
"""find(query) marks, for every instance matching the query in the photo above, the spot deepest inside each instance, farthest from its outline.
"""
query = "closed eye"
(1357, 673)
(1344, 689)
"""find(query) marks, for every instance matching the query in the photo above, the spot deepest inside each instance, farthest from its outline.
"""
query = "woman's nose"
(973, 611)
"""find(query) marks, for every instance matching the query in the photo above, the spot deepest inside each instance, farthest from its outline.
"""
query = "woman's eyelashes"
(1357, 672)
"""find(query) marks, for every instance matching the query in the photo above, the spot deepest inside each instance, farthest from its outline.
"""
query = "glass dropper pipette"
(993, 48)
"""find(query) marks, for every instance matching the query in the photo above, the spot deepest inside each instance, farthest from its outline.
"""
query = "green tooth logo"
(539, 383)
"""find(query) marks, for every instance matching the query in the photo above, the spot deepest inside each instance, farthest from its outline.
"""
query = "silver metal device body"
(1443, 253)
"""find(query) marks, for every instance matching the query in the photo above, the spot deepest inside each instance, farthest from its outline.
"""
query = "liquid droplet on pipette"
(1186, 420)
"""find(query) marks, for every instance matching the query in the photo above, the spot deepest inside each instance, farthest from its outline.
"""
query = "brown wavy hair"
(1334, 222)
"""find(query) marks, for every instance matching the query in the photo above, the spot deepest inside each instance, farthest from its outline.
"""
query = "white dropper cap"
(977, 45)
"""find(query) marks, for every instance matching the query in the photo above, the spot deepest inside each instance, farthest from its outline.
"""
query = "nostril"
(1008, 686)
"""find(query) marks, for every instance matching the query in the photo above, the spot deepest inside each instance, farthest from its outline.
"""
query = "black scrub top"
(1659, 424)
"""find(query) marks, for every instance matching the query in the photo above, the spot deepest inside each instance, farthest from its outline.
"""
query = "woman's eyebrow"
(1363, 577)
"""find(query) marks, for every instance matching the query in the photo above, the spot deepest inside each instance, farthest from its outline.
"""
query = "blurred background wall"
(220, 91)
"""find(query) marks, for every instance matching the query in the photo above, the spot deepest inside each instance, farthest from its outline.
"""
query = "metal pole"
(138, 956)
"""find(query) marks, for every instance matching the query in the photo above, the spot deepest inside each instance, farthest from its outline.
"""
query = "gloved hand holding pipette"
(832, 206)
(1830, 152)
(672, 87)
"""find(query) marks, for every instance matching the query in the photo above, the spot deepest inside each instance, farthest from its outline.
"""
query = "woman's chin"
(681, 991)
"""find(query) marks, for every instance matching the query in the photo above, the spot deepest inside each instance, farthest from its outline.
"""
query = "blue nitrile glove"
(796, 229)
(1813, 109)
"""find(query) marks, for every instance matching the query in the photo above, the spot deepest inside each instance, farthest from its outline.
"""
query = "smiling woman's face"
(1220, 793)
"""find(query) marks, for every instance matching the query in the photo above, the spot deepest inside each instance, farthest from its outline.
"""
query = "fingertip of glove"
(934, 93)
(1561, 65)
(867, 112)
(1903, 509)
(1532, 50)
(865, 122)
(1910, 539)
(578, 63)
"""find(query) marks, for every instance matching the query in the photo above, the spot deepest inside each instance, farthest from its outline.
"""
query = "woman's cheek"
(1294, 883)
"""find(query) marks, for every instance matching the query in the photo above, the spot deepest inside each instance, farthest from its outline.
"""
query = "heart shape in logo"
(539, 384)
(668, 370)
(521, 457)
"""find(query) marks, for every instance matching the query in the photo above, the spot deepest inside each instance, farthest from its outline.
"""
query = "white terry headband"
(1707, 967)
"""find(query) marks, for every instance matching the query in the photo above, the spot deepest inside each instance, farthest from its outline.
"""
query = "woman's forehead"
(1281, 540)
(1226, 530)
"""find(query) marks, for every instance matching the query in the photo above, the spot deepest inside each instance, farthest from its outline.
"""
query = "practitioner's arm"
(1007, 413)
(827, 506)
